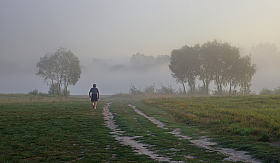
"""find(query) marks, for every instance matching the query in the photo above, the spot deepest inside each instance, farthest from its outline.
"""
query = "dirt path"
(139, 147)
(205, 143)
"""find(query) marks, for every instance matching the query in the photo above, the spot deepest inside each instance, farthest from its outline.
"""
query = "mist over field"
(116, 75)
(111, 76)
(104, 35)
(267, 59)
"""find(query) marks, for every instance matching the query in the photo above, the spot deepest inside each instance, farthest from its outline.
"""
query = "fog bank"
(115, 75)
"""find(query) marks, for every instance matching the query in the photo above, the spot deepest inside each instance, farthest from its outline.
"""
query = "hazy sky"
(104, 28)
(119, 28)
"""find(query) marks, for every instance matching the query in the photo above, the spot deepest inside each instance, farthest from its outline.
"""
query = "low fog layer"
(115, 75)
(111, 75)
(267, 59)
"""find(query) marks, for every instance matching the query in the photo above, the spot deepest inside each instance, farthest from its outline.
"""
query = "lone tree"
(61, 68)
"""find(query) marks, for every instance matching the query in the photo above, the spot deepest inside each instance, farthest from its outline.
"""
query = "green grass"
(249, 123)
(58, 132)
(159, 140)
(60, 129)
(26, 98)
(243, 115)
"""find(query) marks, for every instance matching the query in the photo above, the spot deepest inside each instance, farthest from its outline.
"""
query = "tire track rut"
(140, 148)
(204, 142)
(125, 140)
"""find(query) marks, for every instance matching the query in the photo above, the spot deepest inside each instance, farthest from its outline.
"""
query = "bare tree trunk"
(65, 90)
(220, 90)
(52, 87)
(230, 85)
(184, 88)
(207, 88)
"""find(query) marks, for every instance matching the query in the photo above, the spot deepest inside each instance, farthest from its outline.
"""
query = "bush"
(264, 137)
(266, 91)
(166, 90)
(277, 91)
(66, 92)
(133, 90)
(34, 92)
(150, 89)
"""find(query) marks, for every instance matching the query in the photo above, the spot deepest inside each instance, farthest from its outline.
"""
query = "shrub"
(166, 90)
(34, 92)
(133, 90)
(266, 91)
(277, 91)
(264, 137)
(150, 89)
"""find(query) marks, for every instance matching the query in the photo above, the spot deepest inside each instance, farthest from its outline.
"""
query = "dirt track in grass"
(203, 142)
(139, 147)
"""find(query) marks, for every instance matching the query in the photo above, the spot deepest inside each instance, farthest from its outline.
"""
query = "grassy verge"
(249, 123)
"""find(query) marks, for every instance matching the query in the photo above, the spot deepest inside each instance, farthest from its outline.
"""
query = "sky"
(117, 29)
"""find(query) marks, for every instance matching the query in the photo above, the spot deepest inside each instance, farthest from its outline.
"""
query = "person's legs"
(95, 103)
(94, 100)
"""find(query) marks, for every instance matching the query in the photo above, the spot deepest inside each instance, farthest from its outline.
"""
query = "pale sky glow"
(124, 27)
(120, 28)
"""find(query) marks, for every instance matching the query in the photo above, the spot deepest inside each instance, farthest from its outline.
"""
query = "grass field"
(249, 123)
(56, 129)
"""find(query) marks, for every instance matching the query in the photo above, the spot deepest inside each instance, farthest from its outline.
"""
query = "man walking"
(94, 95)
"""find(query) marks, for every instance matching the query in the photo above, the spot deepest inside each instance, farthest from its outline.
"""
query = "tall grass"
(242, 115)
(249, 123)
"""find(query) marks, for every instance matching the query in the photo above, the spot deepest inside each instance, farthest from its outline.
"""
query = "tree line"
(215, 62)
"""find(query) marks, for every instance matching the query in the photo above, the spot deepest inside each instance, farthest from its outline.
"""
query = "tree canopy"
(61, 68)
(184, 65)
(212, 61)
